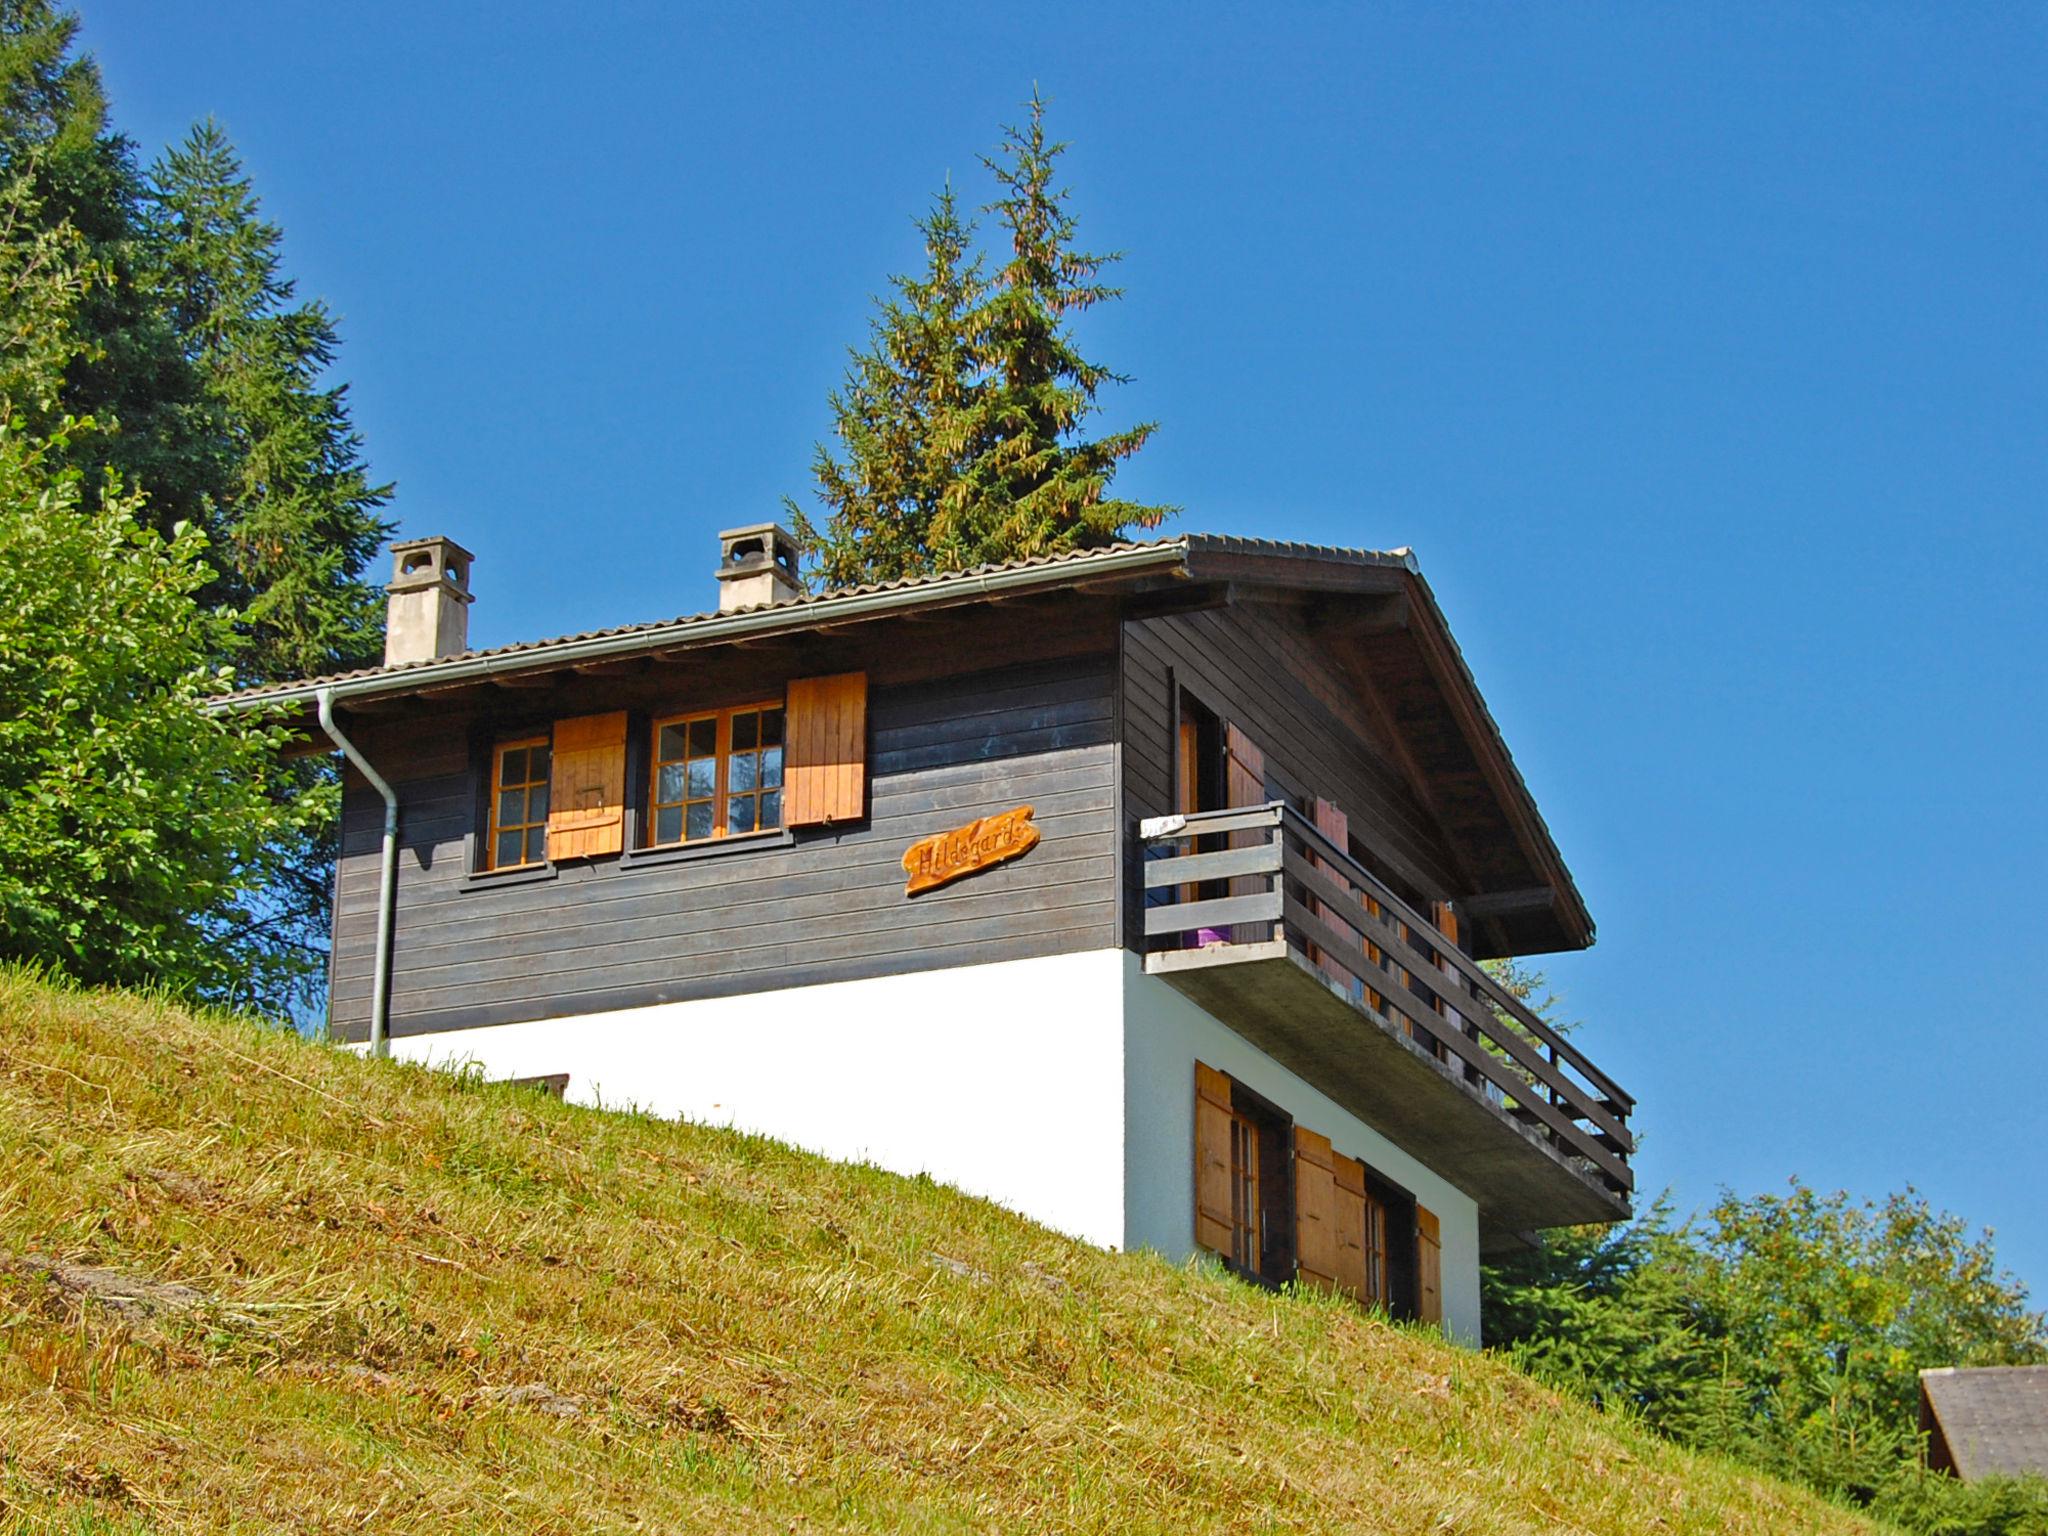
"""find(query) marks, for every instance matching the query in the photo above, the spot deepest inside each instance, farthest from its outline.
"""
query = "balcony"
(1278, 932)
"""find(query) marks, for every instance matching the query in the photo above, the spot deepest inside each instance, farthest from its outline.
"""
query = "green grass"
(747, 1338)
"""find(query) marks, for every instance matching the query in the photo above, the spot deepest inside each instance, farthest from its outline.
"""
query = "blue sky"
(1697, 351)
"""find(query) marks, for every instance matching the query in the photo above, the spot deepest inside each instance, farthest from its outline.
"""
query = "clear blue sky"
(1700, 352)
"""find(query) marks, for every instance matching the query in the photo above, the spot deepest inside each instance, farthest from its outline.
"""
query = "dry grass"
(436, 1305)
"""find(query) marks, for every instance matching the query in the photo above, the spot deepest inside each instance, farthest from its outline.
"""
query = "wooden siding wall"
(1258, 667)
(828, 907)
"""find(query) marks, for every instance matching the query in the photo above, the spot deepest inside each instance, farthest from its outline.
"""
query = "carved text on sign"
(934, 861)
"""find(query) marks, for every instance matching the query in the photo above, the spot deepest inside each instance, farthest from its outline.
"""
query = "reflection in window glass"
(717, 774)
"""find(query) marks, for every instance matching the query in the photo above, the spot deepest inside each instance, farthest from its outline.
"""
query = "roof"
(1992, 1420)
(1191, 556)
(812, 609)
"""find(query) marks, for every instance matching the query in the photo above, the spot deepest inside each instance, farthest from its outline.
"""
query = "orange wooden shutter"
(587, 788)
(1347, 1176)
(1315, 1210)
(1213, 1227)
(1429, 1267)
(1244, 784)
(825, 750)
(1187, 776)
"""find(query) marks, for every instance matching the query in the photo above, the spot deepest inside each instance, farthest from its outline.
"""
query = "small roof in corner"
(1184, 557)
(1987, 1421)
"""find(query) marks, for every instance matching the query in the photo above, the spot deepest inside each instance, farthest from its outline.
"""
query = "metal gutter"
(711, 628)
(387, 878)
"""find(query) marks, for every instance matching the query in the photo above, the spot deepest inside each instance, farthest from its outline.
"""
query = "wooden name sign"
(937, 860)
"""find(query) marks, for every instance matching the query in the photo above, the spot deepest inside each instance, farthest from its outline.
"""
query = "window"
(1243, 1248)
(519, 805)
(1376, 1286)
(1244, 1197)
(717, 774)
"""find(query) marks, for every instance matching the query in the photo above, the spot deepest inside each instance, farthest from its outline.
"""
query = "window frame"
(721, 757)
(1247, 1208)
(494, 787)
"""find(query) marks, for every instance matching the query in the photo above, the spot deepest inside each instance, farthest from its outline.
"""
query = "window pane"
(668, 824)
(771, 767)
(512, 766)
(739, 814)
(508, 850)
(698, 821)
(702, 781)
(670, 747)
(668, 784)
(771, 809)
(771, 727)
(511, 807)
(703, 738)
(537, 762)
(746, 731)
(740, 773)
(537, 803)
(536, 845)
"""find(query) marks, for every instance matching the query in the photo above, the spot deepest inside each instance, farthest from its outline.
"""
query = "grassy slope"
(756, 1339)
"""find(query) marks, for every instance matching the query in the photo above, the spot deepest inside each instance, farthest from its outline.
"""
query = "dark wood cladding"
(1257, 665)
(824, 905)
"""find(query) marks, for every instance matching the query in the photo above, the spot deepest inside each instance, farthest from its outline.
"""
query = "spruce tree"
(129, 374)
(961, 421)
(292, 508)
(1038, 487)
(904, 418)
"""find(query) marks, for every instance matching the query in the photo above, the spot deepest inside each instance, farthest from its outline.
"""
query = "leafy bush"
(134, 826)
(1787, 1331)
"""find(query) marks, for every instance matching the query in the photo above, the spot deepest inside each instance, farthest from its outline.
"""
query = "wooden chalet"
(1142, 890)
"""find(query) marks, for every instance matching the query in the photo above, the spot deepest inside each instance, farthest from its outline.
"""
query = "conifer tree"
(961, 421)
(904, 417)
(1038, 486)
(129, 374)
(292, 507)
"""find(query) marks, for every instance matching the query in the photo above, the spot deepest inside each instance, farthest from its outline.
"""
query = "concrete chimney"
(756, 565)
(427, 617)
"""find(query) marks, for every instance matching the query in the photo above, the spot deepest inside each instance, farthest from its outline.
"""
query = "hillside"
(251, 1284)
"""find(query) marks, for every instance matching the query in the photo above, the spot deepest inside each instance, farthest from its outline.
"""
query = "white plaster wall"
(1164, 1035)
(957, 1073)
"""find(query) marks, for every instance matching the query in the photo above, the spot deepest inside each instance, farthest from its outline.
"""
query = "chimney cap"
(417, 564)
(758, 544)
(757, 564)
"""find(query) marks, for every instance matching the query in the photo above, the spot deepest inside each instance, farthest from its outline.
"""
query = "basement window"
(519, 804)
(716, 774)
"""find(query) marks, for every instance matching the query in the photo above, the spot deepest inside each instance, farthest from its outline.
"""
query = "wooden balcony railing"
(1253, 884)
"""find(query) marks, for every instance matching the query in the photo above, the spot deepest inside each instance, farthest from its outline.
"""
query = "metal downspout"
(387, 880)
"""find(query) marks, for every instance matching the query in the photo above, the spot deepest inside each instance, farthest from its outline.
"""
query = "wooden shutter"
(1429, 1267)
(1447, 924)
(587, 788)
(1336, 826)
(1244, 784)
(825, 750)
(1315, 1210)
(1213, 1225)
(1347, 1176)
